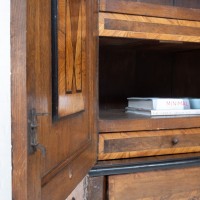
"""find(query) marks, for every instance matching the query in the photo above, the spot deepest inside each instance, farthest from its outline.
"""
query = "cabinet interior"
(145, 68)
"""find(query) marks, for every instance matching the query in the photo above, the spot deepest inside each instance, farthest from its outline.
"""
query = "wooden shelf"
(117, 120)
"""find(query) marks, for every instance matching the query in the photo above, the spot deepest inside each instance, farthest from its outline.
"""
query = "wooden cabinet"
(75, 73)
(54, 45)
(147, 48)
(157, 177)
(146, 54)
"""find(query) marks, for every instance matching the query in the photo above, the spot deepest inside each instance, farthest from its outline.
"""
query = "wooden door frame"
(19, 99)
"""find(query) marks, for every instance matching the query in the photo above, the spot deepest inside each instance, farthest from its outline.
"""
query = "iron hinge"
(34, 145)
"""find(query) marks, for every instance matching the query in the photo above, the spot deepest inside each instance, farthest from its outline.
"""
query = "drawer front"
(148, 143)
(166, 10)
(142, 27)
(179, 184)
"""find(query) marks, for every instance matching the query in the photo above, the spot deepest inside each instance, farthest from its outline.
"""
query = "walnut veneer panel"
(178, 184)
(148, 143)
(130, 26)
(71, 56)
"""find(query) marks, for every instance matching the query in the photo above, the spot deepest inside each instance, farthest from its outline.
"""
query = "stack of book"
(163, 106)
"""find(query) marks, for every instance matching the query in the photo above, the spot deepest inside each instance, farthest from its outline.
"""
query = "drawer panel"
(148, 143)
(177, 184)
(148, 8)
(142, 27)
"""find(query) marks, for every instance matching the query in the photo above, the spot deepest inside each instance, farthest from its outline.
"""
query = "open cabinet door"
(60, 94)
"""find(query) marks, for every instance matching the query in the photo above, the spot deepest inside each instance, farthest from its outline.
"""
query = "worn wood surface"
(97, 188)
(179, 184)
(130, 26)
(69, 141)
(117, 120)
(148, 143)
(149, 8)
(19, 99)
(142, 160)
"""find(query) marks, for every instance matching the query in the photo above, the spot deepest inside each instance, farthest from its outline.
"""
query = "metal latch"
(34, 145)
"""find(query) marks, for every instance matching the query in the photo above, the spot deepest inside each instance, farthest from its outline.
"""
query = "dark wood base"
(162, 177)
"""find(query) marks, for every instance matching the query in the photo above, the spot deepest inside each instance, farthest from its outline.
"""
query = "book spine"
(168, 104)
(176, 112)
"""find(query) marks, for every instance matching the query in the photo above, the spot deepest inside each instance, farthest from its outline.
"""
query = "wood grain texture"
(188, 63)
(179, 184)
(148, 143)
(37, 79)
(19, 99)
(151, 9)
(130, 26)
(71, 56)
(97, 188)
(68, 141)
(119, 121)
(142, 160)
(61, 184)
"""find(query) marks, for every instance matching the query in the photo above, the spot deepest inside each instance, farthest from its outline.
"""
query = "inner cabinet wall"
(147, 49)
(146, 68)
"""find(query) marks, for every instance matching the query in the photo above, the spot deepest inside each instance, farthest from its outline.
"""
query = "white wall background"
(80, 192)
(5, 105)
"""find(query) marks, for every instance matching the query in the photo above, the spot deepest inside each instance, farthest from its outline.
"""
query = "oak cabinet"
(53, 96)
(74, 64)
(146, 54)
(147, 49)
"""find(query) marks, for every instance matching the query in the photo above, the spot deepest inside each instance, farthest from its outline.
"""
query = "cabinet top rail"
(148, 9)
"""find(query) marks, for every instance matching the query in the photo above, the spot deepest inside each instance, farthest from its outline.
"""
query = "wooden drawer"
(144, 27)
(162, 9)
(148, 143)
(177, 184)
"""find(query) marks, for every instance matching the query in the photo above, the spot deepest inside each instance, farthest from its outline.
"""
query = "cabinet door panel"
(65, 125)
